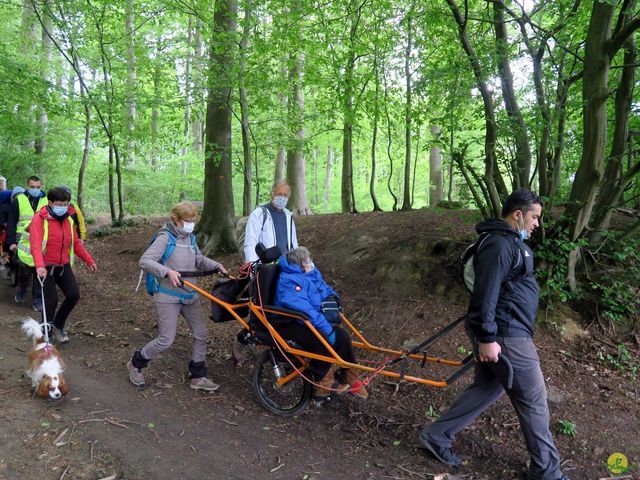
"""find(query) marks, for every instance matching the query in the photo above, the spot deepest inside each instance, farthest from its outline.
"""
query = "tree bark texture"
(216, 229)
(130, 96)
(518, 126)
(374, 136)
(435, 171)
(45, 60)
(85, 151)
(327, 178)
(491, 171)
(247, 200)
(198, 86)
(406, 191)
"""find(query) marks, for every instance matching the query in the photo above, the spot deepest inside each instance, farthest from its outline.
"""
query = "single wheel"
(287, 400)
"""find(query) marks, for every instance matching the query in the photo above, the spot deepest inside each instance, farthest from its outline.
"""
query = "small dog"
(45, 364)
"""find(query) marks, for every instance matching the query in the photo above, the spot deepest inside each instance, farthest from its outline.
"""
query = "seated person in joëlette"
(301, 287)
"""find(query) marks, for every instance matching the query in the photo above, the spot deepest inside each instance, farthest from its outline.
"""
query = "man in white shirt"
(271, 224)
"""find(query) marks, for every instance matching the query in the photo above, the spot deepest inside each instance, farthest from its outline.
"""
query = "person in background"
(170, 301)
(500, 321)
(54, 245)
(271, 224)
(77, 215)
(302, 288)
(22, 209)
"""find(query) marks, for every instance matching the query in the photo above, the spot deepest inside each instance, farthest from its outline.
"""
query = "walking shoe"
(442, 454)
(21, 295)
(135, 374)
(238, 351)
(60, 335)
(37, 304)
(354, 386)
(203, 383)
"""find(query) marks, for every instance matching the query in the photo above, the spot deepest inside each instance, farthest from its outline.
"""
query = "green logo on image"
(617, 463)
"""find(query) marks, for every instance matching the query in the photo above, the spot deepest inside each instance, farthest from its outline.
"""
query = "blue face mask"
(34, 192)
(523, 232)
(280, 202)
(59, 211)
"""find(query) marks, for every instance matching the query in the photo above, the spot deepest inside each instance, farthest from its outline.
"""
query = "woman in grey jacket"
(170, 300)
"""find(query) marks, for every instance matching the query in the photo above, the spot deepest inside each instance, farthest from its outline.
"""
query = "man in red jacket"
(54, 243)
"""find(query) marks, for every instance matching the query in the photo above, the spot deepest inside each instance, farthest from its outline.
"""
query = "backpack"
(152, 282)
(468, 266)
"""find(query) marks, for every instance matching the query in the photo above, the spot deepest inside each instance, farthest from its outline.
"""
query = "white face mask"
(188, 226)
(280, 202)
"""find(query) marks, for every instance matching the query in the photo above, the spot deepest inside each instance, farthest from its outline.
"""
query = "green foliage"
(566, 427)
(431, 412)
(622, 360)
(553, 256)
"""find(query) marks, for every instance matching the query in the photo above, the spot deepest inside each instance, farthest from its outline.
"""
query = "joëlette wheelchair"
(279, 376)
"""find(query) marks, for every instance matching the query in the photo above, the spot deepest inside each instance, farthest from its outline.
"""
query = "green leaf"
(151, 425)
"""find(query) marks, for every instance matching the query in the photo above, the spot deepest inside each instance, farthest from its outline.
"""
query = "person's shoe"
(239, 351)
(323, 388)
(21, 296)
(442, 454)
(60, 335)
(135, 374)
(354, 386)
(203, 383)
(37, 304)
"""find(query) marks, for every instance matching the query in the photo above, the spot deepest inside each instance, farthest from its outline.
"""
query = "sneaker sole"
(430, 449)
(195, 387)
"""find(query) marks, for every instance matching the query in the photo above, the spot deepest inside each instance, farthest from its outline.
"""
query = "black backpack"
(466, 260)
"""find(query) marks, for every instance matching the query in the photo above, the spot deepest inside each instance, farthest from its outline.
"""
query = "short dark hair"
(58, 194)
(33, 178)
(521, 199)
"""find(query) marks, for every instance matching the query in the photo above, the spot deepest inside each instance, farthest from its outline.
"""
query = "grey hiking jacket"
(183, 258)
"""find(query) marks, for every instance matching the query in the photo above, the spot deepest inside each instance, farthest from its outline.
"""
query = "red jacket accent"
(58, 241)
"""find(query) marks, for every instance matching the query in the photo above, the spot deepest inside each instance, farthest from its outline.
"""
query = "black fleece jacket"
(505, 295)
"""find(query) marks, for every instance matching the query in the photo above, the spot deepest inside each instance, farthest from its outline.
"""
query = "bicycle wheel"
(285, 400)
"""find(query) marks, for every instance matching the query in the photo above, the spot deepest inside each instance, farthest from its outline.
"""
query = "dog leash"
(45, 324)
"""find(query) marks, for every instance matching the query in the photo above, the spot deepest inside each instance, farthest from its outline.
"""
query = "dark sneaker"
(37, 304)
(135, 374)
(21, 296)
(442, 454)
(203, 383)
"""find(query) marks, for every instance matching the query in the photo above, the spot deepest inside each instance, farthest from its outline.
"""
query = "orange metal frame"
(334, 358)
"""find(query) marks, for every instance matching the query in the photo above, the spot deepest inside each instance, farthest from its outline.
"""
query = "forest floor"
(396, 276)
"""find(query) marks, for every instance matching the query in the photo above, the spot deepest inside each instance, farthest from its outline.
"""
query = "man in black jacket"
(500, 320)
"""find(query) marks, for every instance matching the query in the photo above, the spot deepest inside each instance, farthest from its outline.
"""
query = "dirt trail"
(167, 431)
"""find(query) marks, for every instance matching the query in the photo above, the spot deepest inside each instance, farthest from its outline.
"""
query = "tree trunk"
(130, 96)
(198, 82)
(327, 178)
(435, 171)
(216, 229)
(518, 126)
(45, 60)
(281, 162)
(155, 109)
(85, 151)
(112, 202)
(296, 169)
(389, 142)
(314, 153)
(188, 93)
(247, 200)
(406, 193)
(374, 137)
(491, 172)
(614, 183)
(415, 167)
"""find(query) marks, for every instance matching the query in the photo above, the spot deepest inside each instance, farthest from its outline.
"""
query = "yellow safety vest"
(82, 228)
(25, 215)
(45, 236)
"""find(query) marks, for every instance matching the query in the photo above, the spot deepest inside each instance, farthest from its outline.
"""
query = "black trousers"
(309, 342)
(28, 275)
(60, 276)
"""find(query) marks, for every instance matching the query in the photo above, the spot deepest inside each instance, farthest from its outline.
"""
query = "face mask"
(280, 202)
(59, 211)
(188, 226)
(523, 232)
(34, 192)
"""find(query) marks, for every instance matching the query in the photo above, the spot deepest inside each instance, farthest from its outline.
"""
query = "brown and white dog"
(45, 364)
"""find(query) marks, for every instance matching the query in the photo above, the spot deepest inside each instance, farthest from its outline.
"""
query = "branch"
(617, 41)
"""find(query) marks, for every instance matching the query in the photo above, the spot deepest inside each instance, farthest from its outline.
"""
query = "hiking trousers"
(59, 276)
(168, 314)
(528, 397)
(27, 275)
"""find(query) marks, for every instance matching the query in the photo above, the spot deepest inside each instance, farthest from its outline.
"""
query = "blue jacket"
(304, 292)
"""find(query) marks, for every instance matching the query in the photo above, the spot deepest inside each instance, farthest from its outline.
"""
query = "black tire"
(286, 401)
